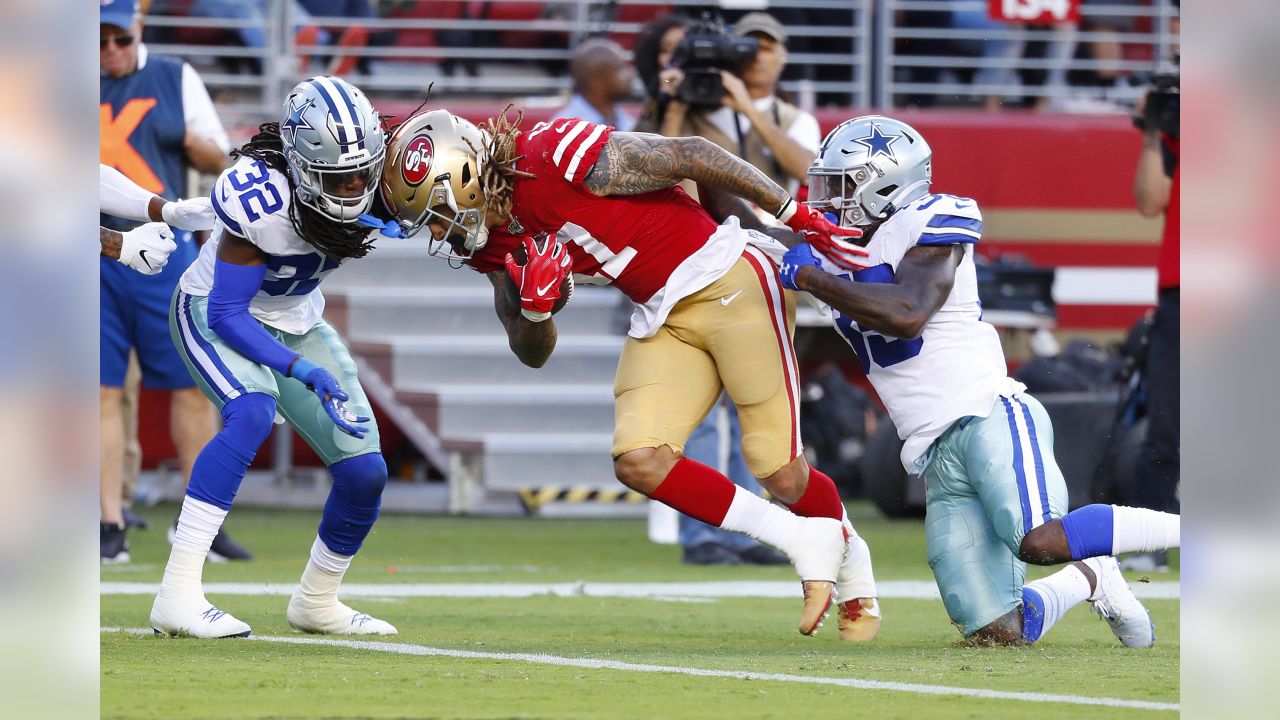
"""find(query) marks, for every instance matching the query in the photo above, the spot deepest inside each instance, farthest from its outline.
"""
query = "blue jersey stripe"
(1017, 467)
(955, 221)
(333, 112)
(946, 239)
(1039, 461)
(232, 225)
(355, 117)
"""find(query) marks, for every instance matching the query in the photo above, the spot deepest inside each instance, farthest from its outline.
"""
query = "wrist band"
(532, 316)
(787, 210)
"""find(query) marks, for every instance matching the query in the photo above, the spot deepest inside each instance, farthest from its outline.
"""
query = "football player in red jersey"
(710, 311)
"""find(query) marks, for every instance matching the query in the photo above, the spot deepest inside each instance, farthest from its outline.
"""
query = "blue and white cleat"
(1115, 602)
(194, 616)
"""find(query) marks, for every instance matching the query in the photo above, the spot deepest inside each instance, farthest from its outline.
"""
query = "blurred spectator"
(1156, 190)
(998, 50)
(254, 12)
(601, 79)
(307, 34)
(350, 36)
(753, 122)
(655, 46)
(156, 121)
(1005, 42)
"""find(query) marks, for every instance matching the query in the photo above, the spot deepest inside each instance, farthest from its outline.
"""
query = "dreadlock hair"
(498, 176)
(335, 239)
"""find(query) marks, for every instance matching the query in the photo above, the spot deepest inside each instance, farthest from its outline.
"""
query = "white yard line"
(595, 664)
(891, 590)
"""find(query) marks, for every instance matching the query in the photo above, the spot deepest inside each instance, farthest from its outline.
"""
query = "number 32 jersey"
(956, 368)
(251, 201)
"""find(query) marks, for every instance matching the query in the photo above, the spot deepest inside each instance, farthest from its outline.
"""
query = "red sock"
(697, 490)
(820, 499)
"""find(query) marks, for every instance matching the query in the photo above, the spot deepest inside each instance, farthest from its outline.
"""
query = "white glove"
(146, 248)
(193, 214)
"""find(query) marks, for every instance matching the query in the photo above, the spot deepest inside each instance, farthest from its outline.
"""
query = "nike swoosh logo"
(543, 290)
(142, 255)
(726, 300)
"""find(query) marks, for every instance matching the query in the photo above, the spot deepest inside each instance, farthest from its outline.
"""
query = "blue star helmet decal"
(878, 143)
(296, 121)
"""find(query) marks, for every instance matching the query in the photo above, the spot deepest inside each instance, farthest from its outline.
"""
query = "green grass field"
(273, 676)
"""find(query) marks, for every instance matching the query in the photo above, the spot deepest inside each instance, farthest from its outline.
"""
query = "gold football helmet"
(432, 177)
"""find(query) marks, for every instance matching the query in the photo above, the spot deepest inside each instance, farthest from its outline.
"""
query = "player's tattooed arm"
(900, 309)
(722, 205)
(111, 241)
(532, 342)
(638, 163)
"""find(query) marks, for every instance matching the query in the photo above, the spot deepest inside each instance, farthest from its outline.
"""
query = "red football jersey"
(632, 242)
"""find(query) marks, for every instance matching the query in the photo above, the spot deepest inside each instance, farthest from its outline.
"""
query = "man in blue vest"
(156, 120)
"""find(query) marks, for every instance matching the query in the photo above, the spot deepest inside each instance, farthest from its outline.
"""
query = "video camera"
(705, 50)
(1164, 99)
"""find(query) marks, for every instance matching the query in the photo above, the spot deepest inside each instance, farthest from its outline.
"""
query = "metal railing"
(946, 52)
(885, 53)
(248, 82)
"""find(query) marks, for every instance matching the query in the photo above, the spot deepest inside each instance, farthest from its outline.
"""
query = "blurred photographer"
(723, 87)
(1155, 188)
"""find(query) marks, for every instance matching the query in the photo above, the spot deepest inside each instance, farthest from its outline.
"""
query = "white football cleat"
(333, 618)
(1115, 602)
(194, 616)
(817, 552)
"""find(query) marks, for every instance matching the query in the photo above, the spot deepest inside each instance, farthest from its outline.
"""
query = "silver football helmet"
(334, 145)
(867, 168)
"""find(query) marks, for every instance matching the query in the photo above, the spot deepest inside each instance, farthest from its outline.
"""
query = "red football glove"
(540, 277)
(827, 238)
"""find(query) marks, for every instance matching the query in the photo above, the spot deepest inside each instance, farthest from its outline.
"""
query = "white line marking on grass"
(594, 664)
(891, 590)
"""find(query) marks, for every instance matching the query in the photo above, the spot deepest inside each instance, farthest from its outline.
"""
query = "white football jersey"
(956, 368)
(252, 200)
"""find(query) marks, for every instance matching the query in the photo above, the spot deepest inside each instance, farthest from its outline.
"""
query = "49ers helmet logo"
(415, 161)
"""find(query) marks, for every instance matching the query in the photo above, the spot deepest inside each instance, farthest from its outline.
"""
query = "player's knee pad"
(222, 464)
(247, 421)
(1089, 530)
(361, 479)
(353, 503)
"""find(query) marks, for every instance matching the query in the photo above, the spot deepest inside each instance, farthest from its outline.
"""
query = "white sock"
(756, 517)
(1142, 530)
(323, 574)
(1058, 593)
(859, 558)
(198, 523)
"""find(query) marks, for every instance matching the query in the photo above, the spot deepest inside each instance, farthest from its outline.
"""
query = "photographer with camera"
(1156, 189)
(723, 87)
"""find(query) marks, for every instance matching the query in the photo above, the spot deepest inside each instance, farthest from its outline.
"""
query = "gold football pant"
(733, 334)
